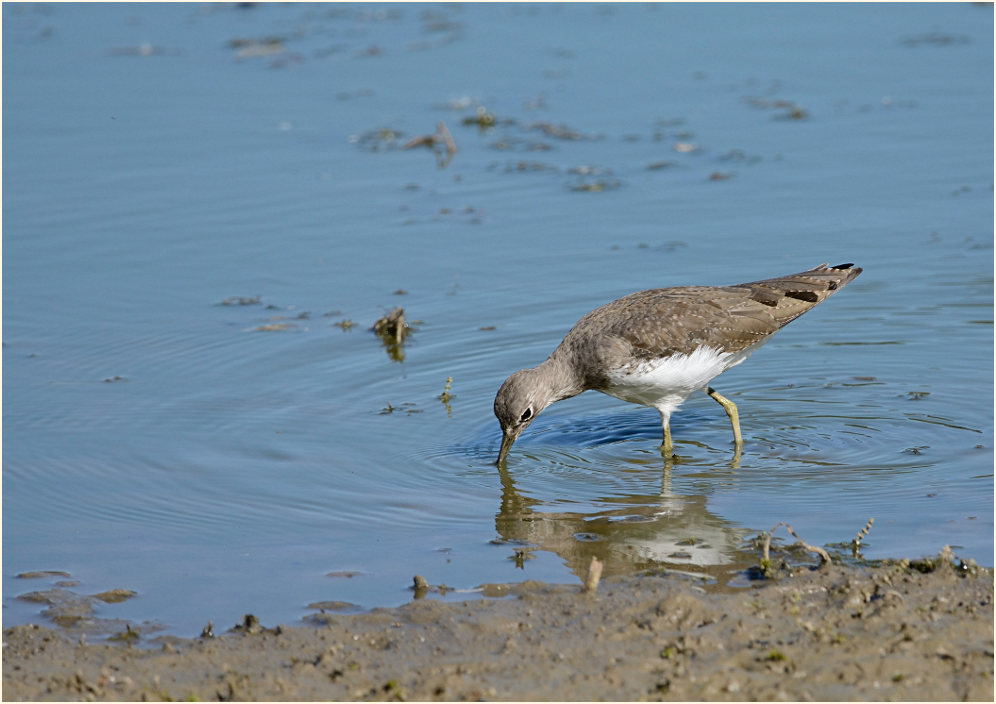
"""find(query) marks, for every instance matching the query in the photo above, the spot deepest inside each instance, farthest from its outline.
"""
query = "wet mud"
(898, 631)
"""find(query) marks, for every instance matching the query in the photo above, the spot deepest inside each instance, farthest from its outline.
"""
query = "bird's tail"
(791, 296)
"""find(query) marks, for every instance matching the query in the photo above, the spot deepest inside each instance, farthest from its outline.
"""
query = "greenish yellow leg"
(667, 447)
(731, 411)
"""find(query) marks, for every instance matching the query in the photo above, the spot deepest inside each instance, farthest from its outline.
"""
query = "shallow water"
(221, 458)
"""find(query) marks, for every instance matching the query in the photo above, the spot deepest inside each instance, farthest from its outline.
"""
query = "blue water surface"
(166, 165)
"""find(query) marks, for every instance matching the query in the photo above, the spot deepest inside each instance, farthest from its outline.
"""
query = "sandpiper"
(658, 347)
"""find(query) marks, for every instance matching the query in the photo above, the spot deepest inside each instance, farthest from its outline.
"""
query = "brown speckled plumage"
(635, 333)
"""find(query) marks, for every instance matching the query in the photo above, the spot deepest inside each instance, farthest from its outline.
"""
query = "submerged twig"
(864, 531)
(862, 534)
(766, 560)
(442, 137)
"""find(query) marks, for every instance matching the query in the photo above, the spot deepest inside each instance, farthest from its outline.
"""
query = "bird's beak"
(507, 439)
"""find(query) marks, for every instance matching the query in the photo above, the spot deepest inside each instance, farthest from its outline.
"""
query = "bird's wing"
(667, 321)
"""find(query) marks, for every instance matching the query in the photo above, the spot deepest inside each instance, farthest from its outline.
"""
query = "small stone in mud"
(594, 574)
(250, 624)
(128, 635)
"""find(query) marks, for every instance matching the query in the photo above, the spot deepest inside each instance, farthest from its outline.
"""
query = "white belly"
(665, 383)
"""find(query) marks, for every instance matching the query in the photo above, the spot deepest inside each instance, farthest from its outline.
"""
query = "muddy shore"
(892, 632)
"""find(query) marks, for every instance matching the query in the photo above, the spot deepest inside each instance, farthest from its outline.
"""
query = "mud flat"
(892, 632)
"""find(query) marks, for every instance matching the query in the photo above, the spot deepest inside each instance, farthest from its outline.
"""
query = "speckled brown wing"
(788, 297)
(667, 321)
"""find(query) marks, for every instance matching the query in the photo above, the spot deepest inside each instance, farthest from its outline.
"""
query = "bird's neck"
(560, 376)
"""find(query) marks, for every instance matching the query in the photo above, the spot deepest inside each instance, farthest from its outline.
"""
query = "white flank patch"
(665, 383)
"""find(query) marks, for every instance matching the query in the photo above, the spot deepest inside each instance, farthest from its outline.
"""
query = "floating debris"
(393, 329)
(369, 52)
(392, 326)
(145, 49)
(345, 324)
(739, 156)
(274, 327)
(250, 48)
(446, 396)
(407, 407)
(464, 103)
(936, 39)
(240, 301)
(481, 118)
(529, 166)
(765, 104)
(520, 555)
(586, 170)
(520, 145)
(484, 119)
(380, 139)
(596, 186)
(558, 131)
(792, 109)
(793, 113)
(658, 165)
(721, 176)
(441, 143)
(352, 94)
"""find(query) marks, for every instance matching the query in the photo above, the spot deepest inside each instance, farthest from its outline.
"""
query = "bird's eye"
(526, 415)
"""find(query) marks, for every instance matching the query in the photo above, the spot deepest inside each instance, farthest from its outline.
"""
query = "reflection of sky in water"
(224, 458)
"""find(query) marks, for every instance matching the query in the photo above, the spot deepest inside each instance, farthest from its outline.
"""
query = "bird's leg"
(731, 411)
(667, 447)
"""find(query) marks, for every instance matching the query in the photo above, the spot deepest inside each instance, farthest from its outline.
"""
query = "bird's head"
(520, 399)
